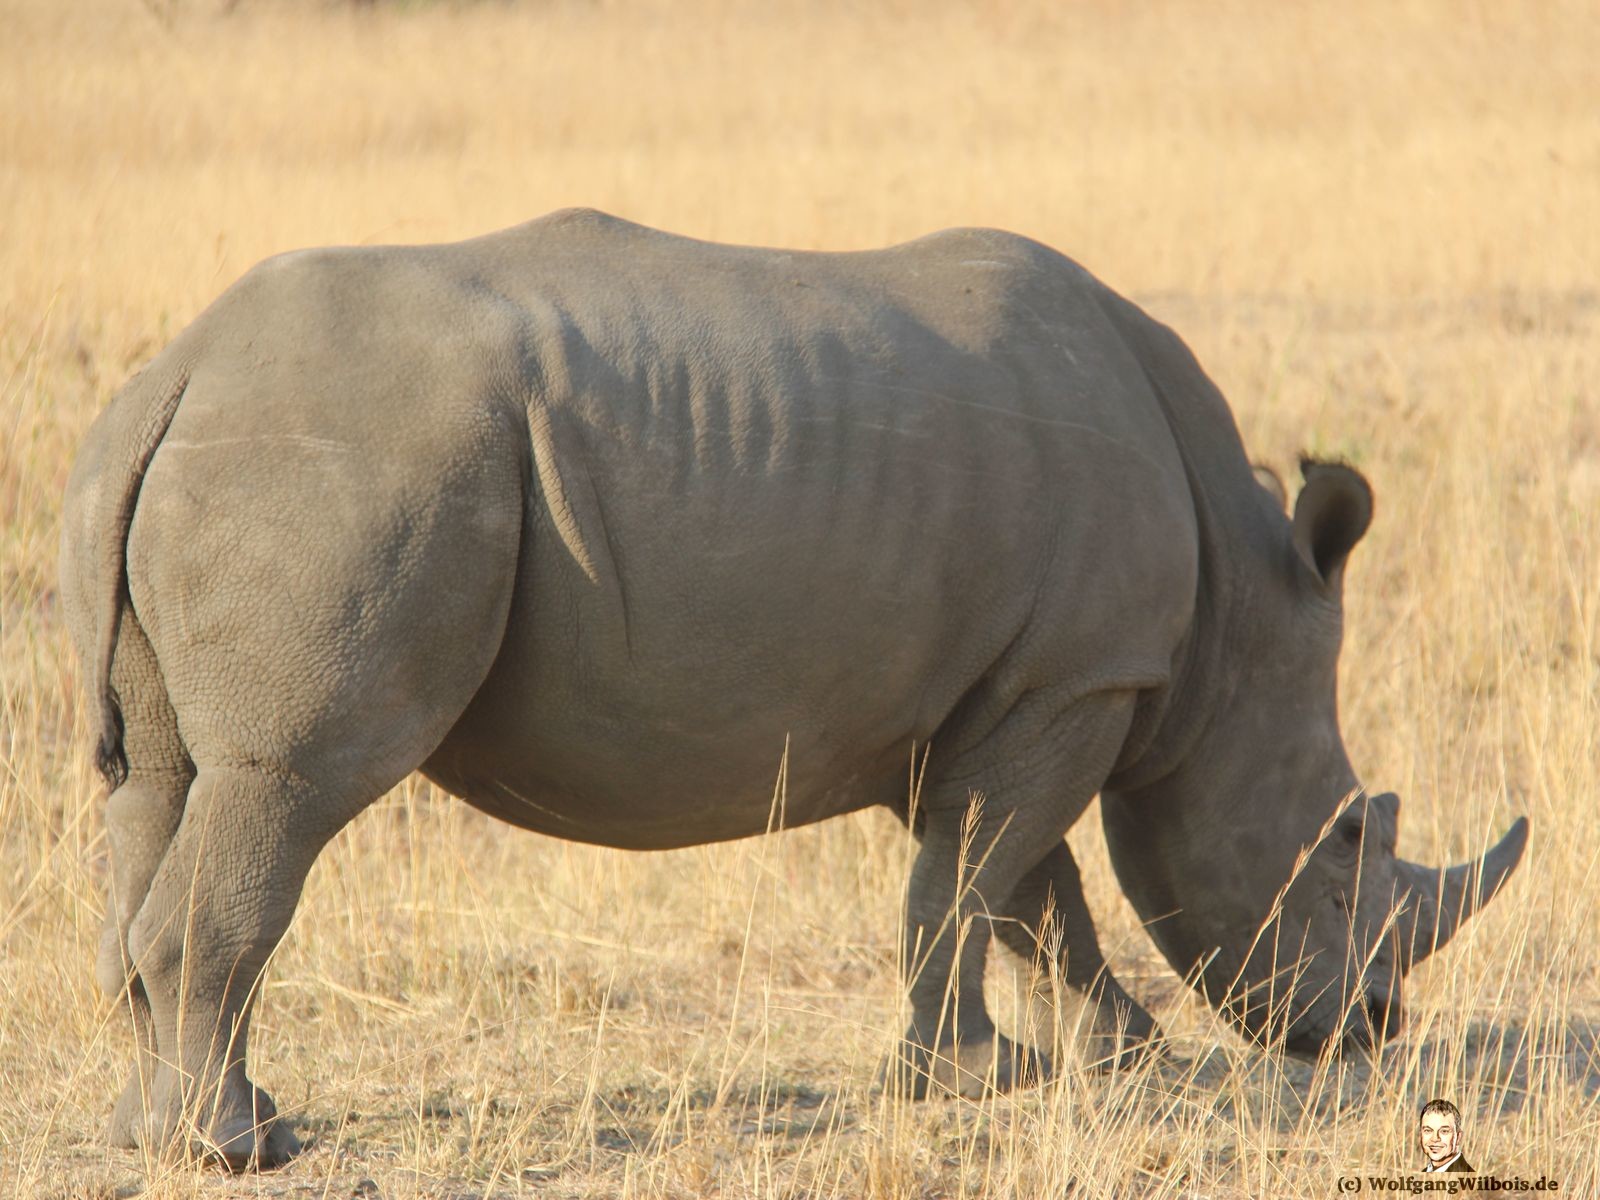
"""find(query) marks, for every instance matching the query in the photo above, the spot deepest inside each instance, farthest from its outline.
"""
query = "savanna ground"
(1379, 226)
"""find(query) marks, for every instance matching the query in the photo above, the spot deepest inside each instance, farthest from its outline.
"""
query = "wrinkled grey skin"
(585, 521)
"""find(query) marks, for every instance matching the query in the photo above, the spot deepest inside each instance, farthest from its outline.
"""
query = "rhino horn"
(1439, 899)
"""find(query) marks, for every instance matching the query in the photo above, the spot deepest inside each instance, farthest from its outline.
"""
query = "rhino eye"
(1350, 830)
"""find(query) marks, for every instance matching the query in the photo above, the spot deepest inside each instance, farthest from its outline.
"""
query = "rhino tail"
(147, 408)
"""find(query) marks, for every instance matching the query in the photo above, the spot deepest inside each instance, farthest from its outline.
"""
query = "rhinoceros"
(588, 522)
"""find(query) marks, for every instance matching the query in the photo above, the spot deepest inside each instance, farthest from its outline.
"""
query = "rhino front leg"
(1047, 914)
(1031, 776)
(217, 907)
(951, 1043)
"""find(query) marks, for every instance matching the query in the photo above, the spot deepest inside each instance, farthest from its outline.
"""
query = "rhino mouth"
(1309, 1020)
(1376, 1020)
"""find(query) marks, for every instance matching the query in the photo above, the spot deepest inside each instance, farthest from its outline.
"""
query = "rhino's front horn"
(1439, 901)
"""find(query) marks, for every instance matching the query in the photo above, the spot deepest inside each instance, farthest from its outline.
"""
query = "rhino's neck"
(1158, 823)
(1242, 535)
(1209, 664)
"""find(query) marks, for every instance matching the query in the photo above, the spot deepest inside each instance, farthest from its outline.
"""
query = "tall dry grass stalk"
(1377, 223)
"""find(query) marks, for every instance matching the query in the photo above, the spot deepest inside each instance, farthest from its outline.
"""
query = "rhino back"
(814, 500)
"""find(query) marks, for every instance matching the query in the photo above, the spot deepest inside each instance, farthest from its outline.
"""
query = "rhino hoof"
(242, 1145)
(1120, 1051)
(255, 1139)
(127, 1118)
(1121, 1035)
(971, 1068)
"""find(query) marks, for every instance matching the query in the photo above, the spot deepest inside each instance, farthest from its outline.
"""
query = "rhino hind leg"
(142, 814)
(219, 903)
(140, 819)
(1035, 772)
(1047, 914)
(138, 813)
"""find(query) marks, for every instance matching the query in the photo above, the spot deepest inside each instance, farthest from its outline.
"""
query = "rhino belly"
(607, 769)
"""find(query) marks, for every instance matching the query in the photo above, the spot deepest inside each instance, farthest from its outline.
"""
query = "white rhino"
(586, 521)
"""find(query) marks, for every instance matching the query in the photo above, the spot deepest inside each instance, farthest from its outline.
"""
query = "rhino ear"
(1332, 512)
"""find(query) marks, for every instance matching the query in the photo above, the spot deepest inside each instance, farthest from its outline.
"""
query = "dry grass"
(1379, 225)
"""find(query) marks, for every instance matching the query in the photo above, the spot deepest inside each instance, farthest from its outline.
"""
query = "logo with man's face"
(1439, 1136)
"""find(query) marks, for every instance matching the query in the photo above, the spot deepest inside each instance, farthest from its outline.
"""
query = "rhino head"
(1263, 871)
